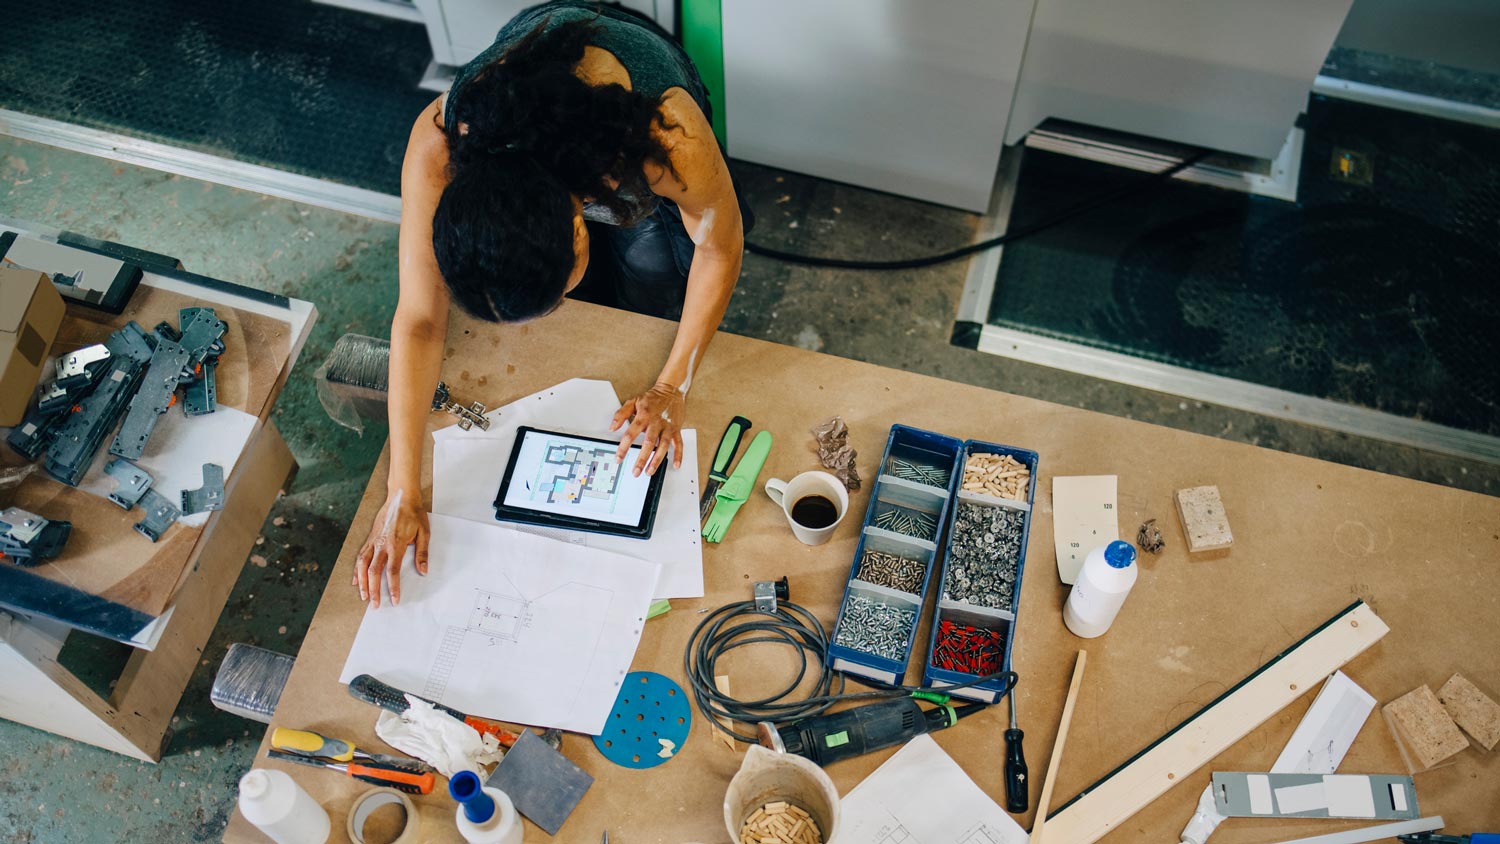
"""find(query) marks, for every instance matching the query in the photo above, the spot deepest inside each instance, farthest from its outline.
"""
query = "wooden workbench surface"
(1310, 537)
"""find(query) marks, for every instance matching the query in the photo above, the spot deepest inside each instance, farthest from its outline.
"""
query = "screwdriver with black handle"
(1016, 786)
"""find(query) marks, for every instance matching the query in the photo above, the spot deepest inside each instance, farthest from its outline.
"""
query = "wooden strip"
(1190, 745)
(1057, 748)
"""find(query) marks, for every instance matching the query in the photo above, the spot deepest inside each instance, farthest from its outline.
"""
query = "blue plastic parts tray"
(999, 619)
(919, 474)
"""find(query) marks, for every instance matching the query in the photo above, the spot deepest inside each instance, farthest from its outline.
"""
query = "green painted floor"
(55, 790)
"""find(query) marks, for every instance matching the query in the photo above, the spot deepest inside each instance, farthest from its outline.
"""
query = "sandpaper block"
(1477, 713)
(1204, 522)
(1425, 734)
(542, 783)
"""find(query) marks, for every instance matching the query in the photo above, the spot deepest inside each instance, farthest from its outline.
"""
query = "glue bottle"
(277, 806)
(485, 815)
(1103, 582)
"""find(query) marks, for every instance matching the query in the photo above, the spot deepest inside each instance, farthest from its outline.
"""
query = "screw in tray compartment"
(876, 628)
(892, 571)
(906, 470)
(912, 523)
(984, 553)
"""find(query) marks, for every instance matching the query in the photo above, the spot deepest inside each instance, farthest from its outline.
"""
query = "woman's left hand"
(659, 413)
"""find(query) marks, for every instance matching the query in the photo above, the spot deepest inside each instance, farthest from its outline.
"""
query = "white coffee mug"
(808, 485)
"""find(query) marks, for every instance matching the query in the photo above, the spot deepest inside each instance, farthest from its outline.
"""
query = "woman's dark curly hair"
(525, 135)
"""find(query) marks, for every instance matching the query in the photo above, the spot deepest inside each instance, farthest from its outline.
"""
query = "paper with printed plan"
(467, 465)
(510, 626)
(921, 796)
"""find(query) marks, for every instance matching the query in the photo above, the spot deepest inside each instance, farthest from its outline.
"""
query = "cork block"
(1204, 522)
(1471, 709)
(1423, 729)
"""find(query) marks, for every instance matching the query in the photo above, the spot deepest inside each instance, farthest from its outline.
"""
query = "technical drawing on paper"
(573, 474)
(980, 833)
(497, 616)
(897, 834)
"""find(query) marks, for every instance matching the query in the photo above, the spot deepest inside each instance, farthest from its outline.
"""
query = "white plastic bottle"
(1103, 582)
(485, 815)
(277, 806)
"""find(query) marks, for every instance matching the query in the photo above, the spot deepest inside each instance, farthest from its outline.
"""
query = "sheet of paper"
(510, 626)
(921, 795)
(467, 465)
(1083, 518)
(176, 452)
(1327, 730)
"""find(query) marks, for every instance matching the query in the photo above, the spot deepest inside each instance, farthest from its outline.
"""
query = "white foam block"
(1301, 798)
(1349, 796)
(1260, 794)
(1398, 797)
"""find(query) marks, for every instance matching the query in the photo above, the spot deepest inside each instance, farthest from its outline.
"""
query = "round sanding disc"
(649, 723)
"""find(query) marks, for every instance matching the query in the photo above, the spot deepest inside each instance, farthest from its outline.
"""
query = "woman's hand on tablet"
(401, 521)
(659, 413)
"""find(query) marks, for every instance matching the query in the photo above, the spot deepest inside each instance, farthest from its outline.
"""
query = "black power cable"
(1009, 237)
(739, 624)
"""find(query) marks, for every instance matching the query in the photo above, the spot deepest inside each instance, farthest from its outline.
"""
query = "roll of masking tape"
(378, 798)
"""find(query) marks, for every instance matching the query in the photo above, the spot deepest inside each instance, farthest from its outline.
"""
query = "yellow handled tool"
(308, 743)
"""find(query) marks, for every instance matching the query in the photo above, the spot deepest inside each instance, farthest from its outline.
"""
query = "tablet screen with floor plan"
(575, 477)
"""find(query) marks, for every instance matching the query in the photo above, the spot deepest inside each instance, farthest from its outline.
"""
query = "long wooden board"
(1190, 745)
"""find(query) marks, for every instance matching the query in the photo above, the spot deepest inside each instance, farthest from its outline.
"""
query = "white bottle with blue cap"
(485, 815)
(1103, 582)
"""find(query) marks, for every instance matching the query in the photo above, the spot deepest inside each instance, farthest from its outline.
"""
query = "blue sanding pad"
(650, 708)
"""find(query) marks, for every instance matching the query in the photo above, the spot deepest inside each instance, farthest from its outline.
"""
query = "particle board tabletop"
(1310, 538)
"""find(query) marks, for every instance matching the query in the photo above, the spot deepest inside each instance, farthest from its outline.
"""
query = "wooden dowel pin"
(1045, 801)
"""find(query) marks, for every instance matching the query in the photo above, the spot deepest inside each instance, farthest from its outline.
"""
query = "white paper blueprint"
(921, 796)
(467, 465)
(510, 626)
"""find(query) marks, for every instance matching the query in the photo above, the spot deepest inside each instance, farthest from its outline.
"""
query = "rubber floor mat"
(290, 84)
(1381, 292)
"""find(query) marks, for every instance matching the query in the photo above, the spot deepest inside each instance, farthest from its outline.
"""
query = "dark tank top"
(656, 64)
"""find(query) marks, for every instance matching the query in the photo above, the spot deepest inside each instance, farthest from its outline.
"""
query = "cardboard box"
(31, 311)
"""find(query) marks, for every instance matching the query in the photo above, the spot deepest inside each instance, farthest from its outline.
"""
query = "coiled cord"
(739, 624)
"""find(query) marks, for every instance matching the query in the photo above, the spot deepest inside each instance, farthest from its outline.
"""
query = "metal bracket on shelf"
(29, 539)
(201, 397)
(208, 497)
(156, 393)
(160, 514)
(133, 482)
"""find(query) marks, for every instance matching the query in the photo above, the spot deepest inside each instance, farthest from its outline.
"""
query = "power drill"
(826, 739)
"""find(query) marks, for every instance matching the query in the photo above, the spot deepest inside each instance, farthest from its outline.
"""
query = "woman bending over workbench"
(575, 151)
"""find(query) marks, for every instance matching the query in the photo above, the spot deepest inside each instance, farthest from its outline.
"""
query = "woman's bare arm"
(704, 193)
(417, 334)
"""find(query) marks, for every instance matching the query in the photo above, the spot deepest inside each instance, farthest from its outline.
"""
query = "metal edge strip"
(1361, 92)
(210, 168)
(1240, 395)
(1286, 167)
(984, 268)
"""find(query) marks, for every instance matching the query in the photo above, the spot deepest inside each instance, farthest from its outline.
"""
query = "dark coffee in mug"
(815, 511)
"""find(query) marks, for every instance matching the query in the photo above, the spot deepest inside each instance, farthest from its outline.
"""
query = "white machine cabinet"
(905, 96)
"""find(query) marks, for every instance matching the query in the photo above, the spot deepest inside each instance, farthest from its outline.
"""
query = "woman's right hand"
(384, 550)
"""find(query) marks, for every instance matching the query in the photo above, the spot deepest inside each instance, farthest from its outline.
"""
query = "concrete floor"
(54, 790)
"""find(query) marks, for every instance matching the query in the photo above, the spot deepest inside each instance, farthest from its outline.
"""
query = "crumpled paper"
(834, 451)
(439, 739)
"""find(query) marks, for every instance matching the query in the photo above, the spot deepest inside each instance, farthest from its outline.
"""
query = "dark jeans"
(643, 268)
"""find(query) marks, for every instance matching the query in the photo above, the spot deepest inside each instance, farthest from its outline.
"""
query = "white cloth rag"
(439, 739)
